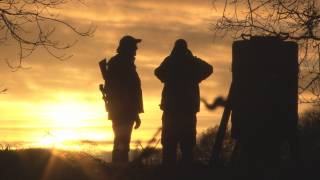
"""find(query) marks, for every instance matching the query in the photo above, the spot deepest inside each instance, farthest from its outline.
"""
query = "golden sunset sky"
(52, 101)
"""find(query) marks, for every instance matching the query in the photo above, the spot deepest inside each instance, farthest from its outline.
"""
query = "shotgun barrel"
(103, 69)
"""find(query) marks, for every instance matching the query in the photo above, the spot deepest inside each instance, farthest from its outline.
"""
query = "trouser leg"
(188, 137)
(122, 137)
(169, 153)
(178, 128)
(168, 140)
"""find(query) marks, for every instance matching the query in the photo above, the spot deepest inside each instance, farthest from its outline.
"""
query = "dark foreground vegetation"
(44, 164)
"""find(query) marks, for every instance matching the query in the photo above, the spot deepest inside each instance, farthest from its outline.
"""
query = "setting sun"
(69, 114)
(71, 139)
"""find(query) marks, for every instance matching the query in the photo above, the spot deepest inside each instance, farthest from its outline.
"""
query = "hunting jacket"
(123, 88)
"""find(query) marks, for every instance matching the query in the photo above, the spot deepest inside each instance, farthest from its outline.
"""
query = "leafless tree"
(296, 20)
(32, 24)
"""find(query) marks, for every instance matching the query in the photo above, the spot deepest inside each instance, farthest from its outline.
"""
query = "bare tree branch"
(296, 20)
(26, 23)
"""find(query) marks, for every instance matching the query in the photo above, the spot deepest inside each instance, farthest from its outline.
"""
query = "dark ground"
(42, 164)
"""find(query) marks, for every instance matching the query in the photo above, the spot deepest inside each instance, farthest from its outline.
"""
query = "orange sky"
(60, 100)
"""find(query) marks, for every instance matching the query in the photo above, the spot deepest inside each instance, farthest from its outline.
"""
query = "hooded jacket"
(181, 74)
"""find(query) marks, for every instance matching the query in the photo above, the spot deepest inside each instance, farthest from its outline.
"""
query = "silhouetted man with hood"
(181, 73)
(124, 95)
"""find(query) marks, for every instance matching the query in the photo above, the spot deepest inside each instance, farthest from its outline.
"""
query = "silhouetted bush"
(308, 134)
(205, 143)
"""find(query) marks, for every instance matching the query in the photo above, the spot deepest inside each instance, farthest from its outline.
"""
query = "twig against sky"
(296, 20)
(34, 23)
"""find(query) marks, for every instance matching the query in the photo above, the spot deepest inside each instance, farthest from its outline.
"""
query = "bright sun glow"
(69, 122)
(70, 139)
(69, 114)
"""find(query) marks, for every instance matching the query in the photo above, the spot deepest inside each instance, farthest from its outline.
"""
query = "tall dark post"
(264, 103)
(265, 99)
(265, 77)
(218, 143)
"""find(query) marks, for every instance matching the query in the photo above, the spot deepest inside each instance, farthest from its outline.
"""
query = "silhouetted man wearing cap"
(124, 95)
(181, 73)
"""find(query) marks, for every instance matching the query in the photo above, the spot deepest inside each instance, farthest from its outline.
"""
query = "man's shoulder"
(166, 59)
(114, 60)
(200, 61)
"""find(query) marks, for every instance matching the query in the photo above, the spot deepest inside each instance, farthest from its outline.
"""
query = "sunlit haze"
(55, 103)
